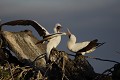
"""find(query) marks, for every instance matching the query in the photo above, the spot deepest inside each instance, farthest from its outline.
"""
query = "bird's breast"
(55, 41)
(70, 45)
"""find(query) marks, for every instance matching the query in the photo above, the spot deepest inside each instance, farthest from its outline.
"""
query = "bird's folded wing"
(81, 45)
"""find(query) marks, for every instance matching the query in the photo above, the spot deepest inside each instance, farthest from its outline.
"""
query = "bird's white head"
(57, 28)
(71, 36)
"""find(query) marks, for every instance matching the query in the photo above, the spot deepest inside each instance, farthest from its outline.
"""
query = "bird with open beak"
(81, 47)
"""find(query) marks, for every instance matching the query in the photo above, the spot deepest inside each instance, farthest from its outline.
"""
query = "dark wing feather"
(92, 44)
(46, 38)
(41, 30)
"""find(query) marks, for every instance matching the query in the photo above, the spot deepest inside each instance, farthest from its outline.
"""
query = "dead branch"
(102, 59)
(23, 45)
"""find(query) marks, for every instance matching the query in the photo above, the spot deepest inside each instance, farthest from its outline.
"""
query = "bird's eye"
(58, 27)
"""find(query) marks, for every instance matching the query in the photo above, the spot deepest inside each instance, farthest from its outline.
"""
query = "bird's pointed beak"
(68, 32)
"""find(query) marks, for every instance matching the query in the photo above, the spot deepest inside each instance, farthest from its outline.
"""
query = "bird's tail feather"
(100, 44)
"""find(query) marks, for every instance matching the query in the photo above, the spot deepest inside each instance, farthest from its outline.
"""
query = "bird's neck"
(71, 41)
(55, 30)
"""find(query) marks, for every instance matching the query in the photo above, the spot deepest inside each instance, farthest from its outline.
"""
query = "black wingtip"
(95, 40)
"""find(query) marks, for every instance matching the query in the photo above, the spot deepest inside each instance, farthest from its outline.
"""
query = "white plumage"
(53, 42)
(53, 39)
(82, 47)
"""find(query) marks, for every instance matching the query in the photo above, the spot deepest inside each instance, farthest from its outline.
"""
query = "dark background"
(87, 19)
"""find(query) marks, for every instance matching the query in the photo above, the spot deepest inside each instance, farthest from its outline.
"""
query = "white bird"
(53, 39)
(82, 47)
(53, 42)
